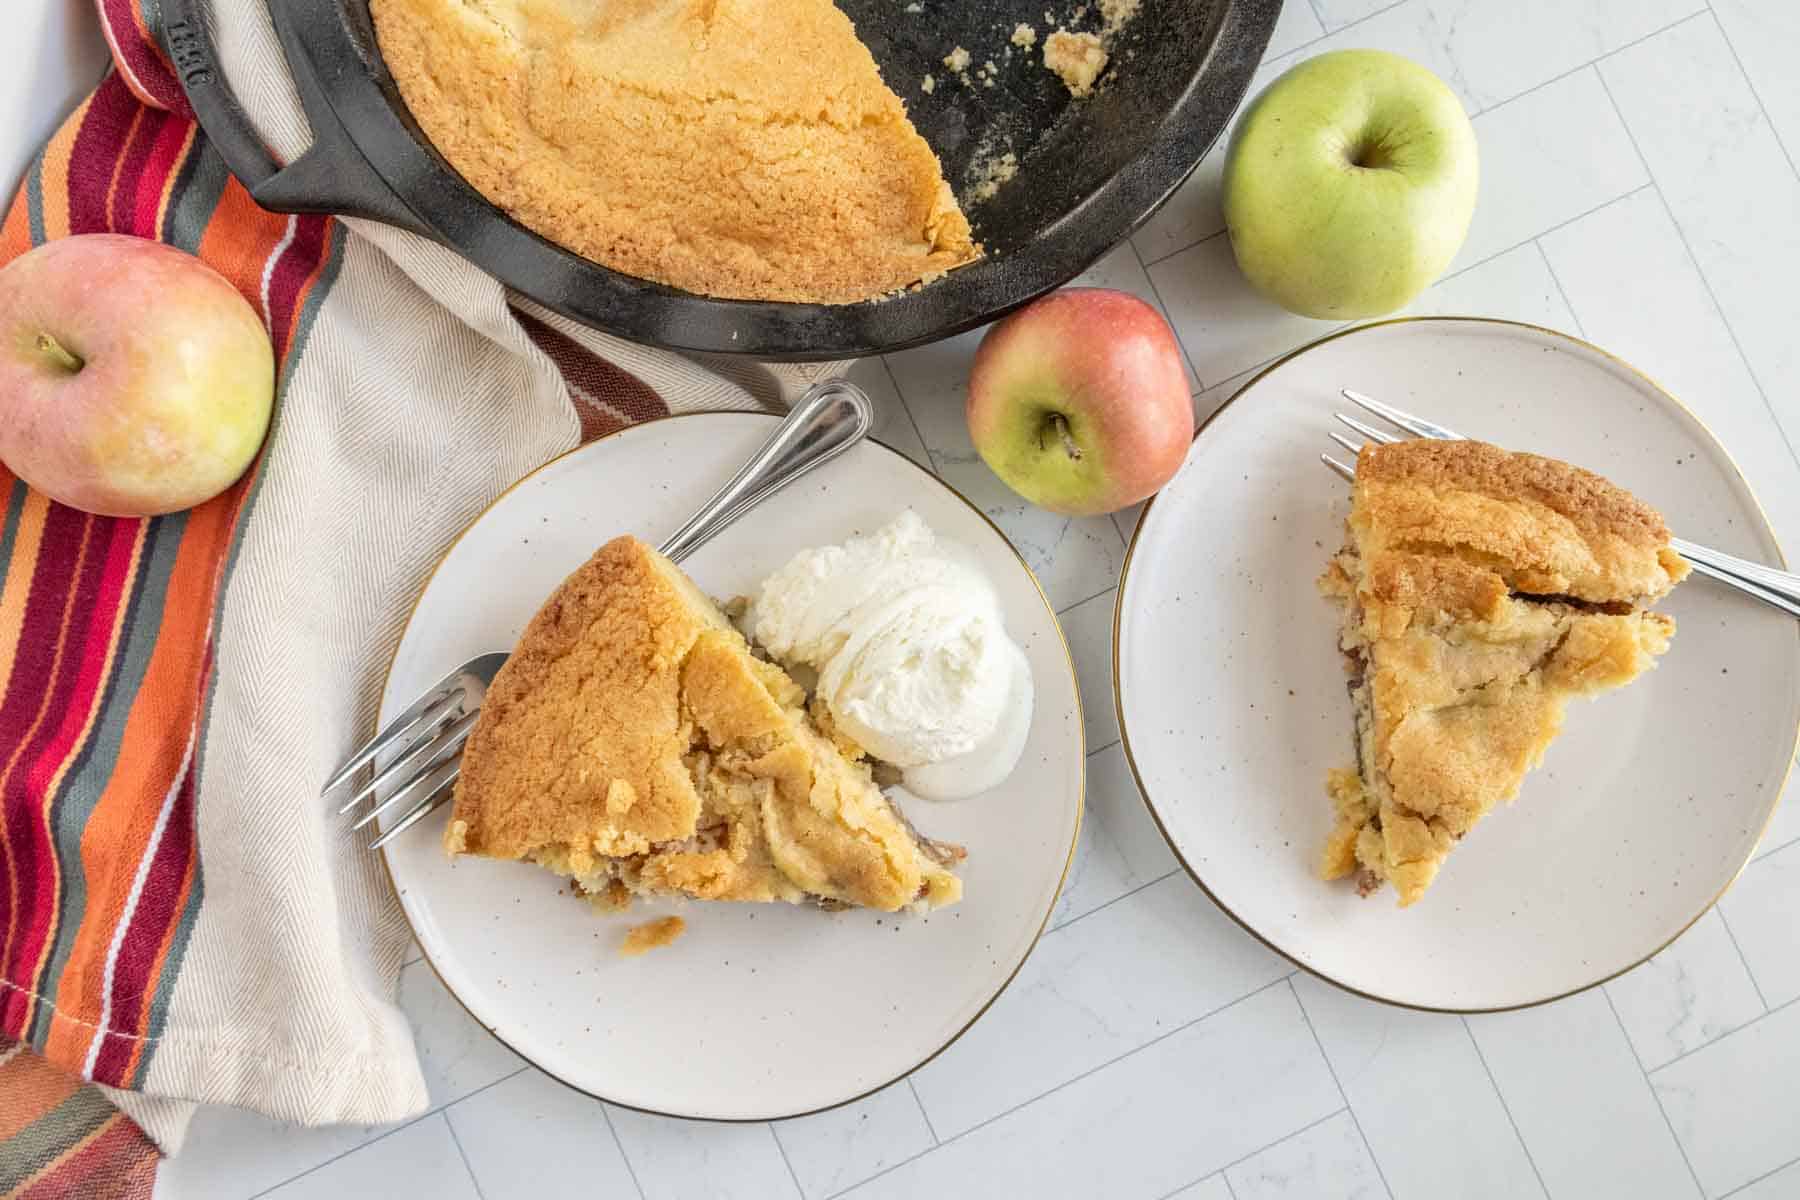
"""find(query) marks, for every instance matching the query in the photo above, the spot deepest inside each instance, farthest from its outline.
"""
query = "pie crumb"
(1077, 57)
(1024, 35)
(928, 85)
(1115, 13)
(992, 173)
(957, 59)
(652, 935)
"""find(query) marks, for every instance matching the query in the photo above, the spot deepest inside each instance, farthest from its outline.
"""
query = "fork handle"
(829, 419)
(1779, 588)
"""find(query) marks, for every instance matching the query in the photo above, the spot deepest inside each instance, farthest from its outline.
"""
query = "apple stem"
(1060, 424)
(59, 355)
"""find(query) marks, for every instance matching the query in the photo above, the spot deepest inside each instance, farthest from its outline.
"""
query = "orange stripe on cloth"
(16, 588)
(118, 831)
(239, 239)
(32, 1087)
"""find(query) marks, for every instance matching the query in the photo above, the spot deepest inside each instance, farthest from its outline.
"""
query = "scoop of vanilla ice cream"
(912, 655)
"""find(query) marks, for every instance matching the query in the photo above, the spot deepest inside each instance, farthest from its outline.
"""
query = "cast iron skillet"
(1089, 172)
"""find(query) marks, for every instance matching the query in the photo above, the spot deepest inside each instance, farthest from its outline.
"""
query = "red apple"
(134, 379)
(1078, 401)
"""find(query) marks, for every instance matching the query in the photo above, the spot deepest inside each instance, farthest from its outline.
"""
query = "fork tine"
(449, 749)
(427, 805)
(414, 756)
(427, 709)
(1347, 472)
(1369, 431)
(1405, 420)
(1346, 443)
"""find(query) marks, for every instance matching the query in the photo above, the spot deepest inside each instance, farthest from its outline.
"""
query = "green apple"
(1349, 184)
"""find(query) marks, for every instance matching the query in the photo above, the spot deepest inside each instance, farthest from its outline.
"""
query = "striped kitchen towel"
(181, 920)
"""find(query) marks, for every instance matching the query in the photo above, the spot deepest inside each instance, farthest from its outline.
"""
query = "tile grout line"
(1754, 94)
(1263, 1149)
(906, 407)
(929, 1127)
(1109, 588)
(1592, 62)
(780, 1149)
(1523, 242)
(1115, 900)
(619, 1145)
(1747, 1025)
(1551, 267)
(1163, 311)
(1317, 15)
(1226, 1179)
(1070, 1082)
(1694, 259)
(1750, 1183)
(1654, 1095)
(1754, 986)
(464, 1155)
(1346, 26)
(1764, 852)
(388, 1133)
(1105, 748)
(1338, 1083)
(1506, 1108)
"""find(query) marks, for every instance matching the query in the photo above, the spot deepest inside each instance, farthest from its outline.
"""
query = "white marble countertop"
(1639, 187)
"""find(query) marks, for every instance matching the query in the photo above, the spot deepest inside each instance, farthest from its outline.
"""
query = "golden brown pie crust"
(734, 148)
(1481, 590)
(634, 743)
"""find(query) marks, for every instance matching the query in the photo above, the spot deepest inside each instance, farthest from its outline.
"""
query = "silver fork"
(1781, 589)
(426, 740)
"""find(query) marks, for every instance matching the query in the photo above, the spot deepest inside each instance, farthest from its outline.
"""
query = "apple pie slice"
(635, 744)
(1481, 589)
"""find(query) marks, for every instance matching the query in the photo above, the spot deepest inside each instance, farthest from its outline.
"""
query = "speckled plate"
(1231, 691)
(759, 1011)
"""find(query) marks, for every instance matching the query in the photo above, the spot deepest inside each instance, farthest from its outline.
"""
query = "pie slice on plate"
(635, 744)
(1481, 590)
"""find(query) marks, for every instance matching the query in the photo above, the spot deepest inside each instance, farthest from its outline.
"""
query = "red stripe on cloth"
(140, 59)
(94, 159)
(112, 549)
(64, 692)
(607, 397)
(171, 139)
(29, 898)
(117, 1162)
(122, 204)
(141, 951)
(290, 274)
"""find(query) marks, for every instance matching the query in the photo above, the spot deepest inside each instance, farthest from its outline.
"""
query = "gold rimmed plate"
(1231, 693)
(759, 1011)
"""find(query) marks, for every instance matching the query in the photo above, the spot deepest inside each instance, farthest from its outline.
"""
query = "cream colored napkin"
(418, 397)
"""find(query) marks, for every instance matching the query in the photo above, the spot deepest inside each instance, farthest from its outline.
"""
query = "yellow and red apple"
(134, 379)
(1078, 401)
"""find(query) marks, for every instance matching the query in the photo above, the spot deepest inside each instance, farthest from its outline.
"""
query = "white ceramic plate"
(1231, 691)
(759, 1011)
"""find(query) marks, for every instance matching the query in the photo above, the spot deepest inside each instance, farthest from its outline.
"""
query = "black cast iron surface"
(1090, 171)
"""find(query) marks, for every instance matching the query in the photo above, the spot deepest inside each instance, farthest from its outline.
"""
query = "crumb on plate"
(651, 935)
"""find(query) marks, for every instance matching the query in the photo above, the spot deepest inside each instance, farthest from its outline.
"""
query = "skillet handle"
(330, 177)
